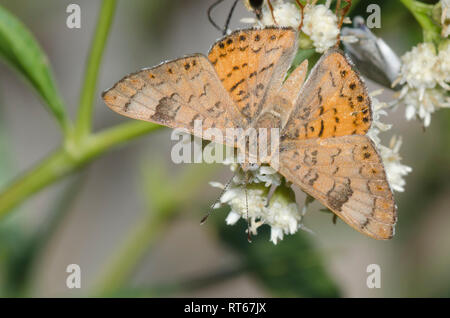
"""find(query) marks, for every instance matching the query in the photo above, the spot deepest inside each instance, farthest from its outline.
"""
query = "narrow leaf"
(20, 49)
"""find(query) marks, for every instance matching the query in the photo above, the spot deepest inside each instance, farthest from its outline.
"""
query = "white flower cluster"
(249, 200)
(425, 74)
(395, 171)
(320, 24)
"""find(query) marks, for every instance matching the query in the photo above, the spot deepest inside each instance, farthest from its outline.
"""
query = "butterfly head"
(255, 6)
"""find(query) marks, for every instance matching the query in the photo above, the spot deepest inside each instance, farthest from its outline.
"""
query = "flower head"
(321, 25)
(419, 65)
(425, 74)
(284, 216)
(422, 105)
(247, 196)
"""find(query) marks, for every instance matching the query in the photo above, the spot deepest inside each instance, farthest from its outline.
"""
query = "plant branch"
(65, 161)
(84, 122)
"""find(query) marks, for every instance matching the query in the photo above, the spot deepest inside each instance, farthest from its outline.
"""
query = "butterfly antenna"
(338, 7)
(225, 188)
(272, 11)
(249, 233)
(230, 15)
(343, 13)
(211, 20)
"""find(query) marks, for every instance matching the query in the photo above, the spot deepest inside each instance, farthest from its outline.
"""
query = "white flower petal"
(276, 234)
(410, 112)
(216, 185)
(232, 218)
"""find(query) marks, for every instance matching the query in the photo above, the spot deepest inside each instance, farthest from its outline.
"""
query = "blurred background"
(131, 219)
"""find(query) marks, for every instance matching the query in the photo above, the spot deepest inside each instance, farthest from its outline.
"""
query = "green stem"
(65, 161)
(422, 13)
(84, 122)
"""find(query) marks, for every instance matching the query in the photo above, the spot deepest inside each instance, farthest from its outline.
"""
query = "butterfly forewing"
(252, 65)
(325, 152)
(176, 94)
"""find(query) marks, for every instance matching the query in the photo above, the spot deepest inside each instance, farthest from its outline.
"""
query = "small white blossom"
(425, 73)
(419, 66)
(286, 15)
(283, 214)
(422, 105)
(232, 218)
(321, 25)
(248, 199)
(395, 171)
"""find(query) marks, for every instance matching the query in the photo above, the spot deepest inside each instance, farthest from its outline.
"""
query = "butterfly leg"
(342, 12)
(249, 232)
(302, 8)
(272, 12)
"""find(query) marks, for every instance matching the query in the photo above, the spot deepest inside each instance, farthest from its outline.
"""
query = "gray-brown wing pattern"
(323, 148)
(346, 175)
(176, 94)
(334, 102)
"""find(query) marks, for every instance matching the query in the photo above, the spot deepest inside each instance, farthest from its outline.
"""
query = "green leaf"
(292, 268)
(20, 49)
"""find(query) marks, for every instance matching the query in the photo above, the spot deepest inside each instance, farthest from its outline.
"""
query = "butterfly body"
(315, 127)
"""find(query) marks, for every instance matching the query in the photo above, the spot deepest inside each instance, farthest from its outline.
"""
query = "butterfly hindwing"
(323, 148)
(334, 102)
(346, 175)
(176, 94)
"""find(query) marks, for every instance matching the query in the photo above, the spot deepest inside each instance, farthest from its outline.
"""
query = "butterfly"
(323, 120)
